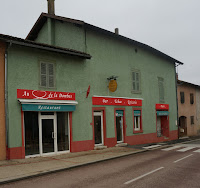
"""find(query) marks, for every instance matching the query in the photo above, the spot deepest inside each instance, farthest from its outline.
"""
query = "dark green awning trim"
(48, 108)
(162, 113)
(137, 113)
(119, 113)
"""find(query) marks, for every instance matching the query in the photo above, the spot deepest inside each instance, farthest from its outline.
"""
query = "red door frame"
(124, 124)
(103, 110)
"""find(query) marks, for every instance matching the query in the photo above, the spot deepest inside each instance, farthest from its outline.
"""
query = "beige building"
(188, 108)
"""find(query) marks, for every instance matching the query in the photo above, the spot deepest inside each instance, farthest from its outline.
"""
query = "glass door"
(98, 128)
(119, 125)
(48, 133)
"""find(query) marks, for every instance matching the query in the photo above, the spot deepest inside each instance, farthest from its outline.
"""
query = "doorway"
(48, 132)
(98, 128)
(182, 126)
(163, 126)
(119, 125)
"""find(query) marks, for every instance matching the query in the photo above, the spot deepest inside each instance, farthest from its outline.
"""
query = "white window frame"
(139, 123)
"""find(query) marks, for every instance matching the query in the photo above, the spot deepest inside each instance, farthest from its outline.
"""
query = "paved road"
(161, 168)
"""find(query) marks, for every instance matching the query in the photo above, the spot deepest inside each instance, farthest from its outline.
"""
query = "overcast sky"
(171, 26)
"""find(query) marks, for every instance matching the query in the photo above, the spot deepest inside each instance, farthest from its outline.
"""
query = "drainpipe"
(176, 97)
(6, 101)
(6, 97)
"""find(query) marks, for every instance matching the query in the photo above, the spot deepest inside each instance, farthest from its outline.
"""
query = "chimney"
(177, 76)
(117, 31)
(51, 7)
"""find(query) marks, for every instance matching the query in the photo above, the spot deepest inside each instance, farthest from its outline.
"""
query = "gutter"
(176, 80)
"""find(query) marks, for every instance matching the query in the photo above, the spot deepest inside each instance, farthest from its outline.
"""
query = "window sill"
(136, 92)
(48, 88)
(138, 131)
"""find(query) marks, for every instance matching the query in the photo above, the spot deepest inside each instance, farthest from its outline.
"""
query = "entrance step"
(121, 144)
(184, 137)
(100, 147)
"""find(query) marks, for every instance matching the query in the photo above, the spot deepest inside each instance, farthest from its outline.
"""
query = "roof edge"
(32, 44)
(43, 17)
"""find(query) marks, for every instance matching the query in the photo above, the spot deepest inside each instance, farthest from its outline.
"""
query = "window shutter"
(137, 81)
(51, 74)
(134, 79)
(43, 74)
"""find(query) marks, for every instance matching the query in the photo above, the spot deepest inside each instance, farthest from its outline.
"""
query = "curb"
(37, 174)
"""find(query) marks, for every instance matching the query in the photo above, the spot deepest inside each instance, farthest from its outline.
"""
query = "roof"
(32, 44)
(43, 18)
(181, 82)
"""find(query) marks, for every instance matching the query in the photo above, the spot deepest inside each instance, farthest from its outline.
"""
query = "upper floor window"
(136, 84)
(192, 120)
(161, 89)
(191, 98)
(47, 75)
(182, 97)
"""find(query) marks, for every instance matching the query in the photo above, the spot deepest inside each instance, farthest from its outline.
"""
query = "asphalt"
(19, 169)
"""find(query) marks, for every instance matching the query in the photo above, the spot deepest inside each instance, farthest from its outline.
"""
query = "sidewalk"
(13, 170)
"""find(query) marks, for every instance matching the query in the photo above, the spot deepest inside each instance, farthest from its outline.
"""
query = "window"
(47, 75)
(136, 87)
(137, 121)
(182, 97)
(161, 90)
(192, 120)
(191, 98)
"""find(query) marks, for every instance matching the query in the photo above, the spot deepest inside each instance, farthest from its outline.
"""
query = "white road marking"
(143, 175)
(153, 146)
(183, 158)
(171, 148)
(198, 151)
(185, 149)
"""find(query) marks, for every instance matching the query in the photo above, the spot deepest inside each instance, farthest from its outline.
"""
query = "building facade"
(188, 109)
(76, 87)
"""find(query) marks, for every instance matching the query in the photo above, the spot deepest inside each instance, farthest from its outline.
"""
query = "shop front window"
(137, 121)
(31, 133)
(63, 131)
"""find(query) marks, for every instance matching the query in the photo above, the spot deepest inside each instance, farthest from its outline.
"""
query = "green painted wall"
(109, 57)
(71, 76)
(112, 57)
(43, 35)
(65, 35)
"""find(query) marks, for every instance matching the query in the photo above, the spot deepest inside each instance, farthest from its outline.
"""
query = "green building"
(72, 86)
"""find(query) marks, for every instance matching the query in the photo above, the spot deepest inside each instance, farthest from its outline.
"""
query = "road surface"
(177, 167)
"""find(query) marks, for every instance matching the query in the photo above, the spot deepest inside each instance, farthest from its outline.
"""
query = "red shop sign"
(51, 95)
(162, 106)
(116, 101)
